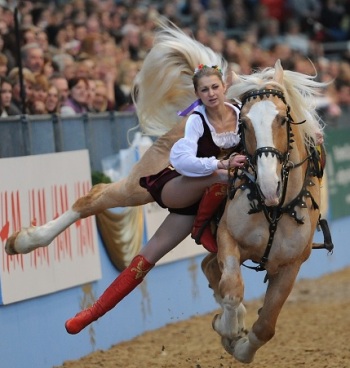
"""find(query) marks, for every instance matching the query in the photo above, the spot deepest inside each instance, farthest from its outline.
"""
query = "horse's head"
(265, 129)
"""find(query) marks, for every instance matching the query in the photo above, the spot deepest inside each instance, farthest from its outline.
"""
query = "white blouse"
(183, 153)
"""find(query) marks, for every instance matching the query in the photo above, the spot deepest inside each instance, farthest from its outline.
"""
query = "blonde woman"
(185, 71)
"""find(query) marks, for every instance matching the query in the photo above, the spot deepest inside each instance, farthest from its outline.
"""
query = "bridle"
(255, 196)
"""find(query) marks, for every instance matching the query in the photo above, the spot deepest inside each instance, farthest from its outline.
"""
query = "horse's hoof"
(241, 351)
(228, 345)
(10, 245)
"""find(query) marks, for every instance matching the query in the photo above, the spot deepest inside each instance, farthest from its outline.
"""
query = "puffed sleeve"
(183, 155)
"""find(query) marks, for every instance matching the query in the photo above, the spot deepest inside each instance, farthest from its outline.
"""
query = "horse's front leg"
(279, 287)
(101, 197)
(230, 324)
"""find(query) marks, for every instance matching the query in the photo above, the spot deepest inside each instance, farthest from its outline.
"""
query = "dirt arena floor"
(313, 331)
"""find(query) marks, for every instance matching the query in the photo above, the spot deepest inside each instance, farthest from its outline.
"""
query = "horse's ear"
(234, 78)
(278, 76)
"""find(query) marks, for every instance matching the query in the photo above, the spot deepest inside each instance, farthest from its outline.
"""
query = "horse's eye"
(284, 120)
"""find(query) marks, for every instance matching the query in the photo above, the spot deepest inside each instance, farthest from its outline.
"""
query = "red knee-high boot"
(119, 288)
(210, 203)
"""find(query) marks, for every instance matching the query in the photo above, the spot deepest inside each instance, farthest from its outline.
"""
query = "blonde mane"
(300, 91)
(164, 84)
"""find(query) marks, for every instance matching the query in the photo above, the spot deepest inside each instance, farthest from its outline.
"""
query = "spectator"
(52, 102)
(296, 40)
(28, 33)
(61, 83)
(91, 94)
(307, 12)
(33, 57)
(270, 34)
(77, 101)
(131, 40)
(21, 98)
(4, 50)
(3, 65)
(48, 68)
(123, 100)
(331, 18)
(5, 98)
(39, 96)
(65, 64)
(100, 102)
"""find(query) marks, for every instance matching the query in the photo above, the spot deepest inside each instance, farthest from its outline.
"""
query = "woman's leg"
(171, 232)
(183, 191)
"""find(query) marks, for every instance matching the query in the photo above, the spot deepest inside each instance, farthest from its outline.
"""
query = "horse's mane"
(300, 91)
(164, 84)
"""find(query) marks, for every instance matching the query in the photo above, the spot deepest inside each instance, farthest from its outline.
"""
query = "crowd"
(70, 57)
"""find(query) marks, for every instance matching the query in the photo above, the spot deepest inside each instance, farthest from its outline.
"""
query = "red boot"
(119, 288)
(210, 203)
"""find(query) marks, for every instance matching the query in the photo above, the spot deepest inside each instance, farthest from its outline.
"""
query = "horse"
(274, 204)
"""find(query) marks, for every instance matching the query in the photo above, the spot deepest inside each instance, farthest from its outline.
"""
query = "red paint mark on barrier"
(37, 202)
(10, 262)
(84, 227)
(63, 242)
(37, 217)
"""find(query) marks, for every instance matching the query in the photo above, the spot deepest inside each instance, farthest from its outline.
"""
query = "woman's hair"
(74, 81)
(205, 71)
(165, 82)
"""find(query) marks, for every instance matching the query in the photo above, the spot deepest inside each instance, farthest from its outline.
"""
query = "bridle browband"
(273, 214)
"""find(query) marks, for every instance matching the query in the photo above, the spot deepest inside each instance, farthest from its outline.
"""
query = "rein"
(274, 214)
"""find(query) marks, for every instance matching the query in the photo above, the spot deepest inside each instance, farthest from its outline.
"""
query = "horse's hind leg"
(100, 198)
(125, 193)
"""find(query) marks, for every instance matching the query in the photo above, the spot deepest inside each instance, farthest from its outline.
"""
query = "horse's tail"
(164, 84)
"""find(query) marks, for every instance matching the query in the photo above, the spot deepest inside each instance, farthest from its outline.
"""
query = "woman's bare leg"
(174, 229)
(184, 191)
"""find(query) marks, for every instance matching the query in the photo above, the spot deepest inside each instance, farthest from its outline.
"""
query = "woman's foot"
(79, 322)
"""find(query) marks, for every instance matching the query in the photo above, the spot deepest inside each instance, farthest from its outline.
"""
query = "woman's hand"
(238, 161)
(235, 161)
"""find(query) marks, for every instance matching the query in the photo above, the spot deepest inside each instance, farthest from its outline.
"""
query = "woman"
(5, 98)
(53, 99)
(77, 101)
(200, 159)
(101, 103)
(40, 88)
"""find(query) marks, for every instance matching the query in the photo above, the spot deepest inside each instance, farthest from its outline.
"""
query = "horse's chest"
(253, 234)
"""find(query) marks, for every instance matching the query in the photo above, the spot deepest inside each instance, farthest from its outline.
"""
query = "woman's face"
(6, 94)
(52, 99)
(39, 94)
(211, 91)
(79, 92)
(100, 100)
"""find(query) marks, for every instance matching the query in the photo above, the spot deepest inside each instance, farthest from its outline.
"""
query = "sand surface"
(313, 331)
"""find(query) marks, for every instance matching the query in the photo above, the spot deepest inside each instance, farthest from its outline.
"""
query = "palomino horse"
(273, 215)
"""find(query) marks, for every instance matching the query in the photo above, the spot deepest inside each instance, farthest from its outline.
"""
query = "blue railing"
(103, 134)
